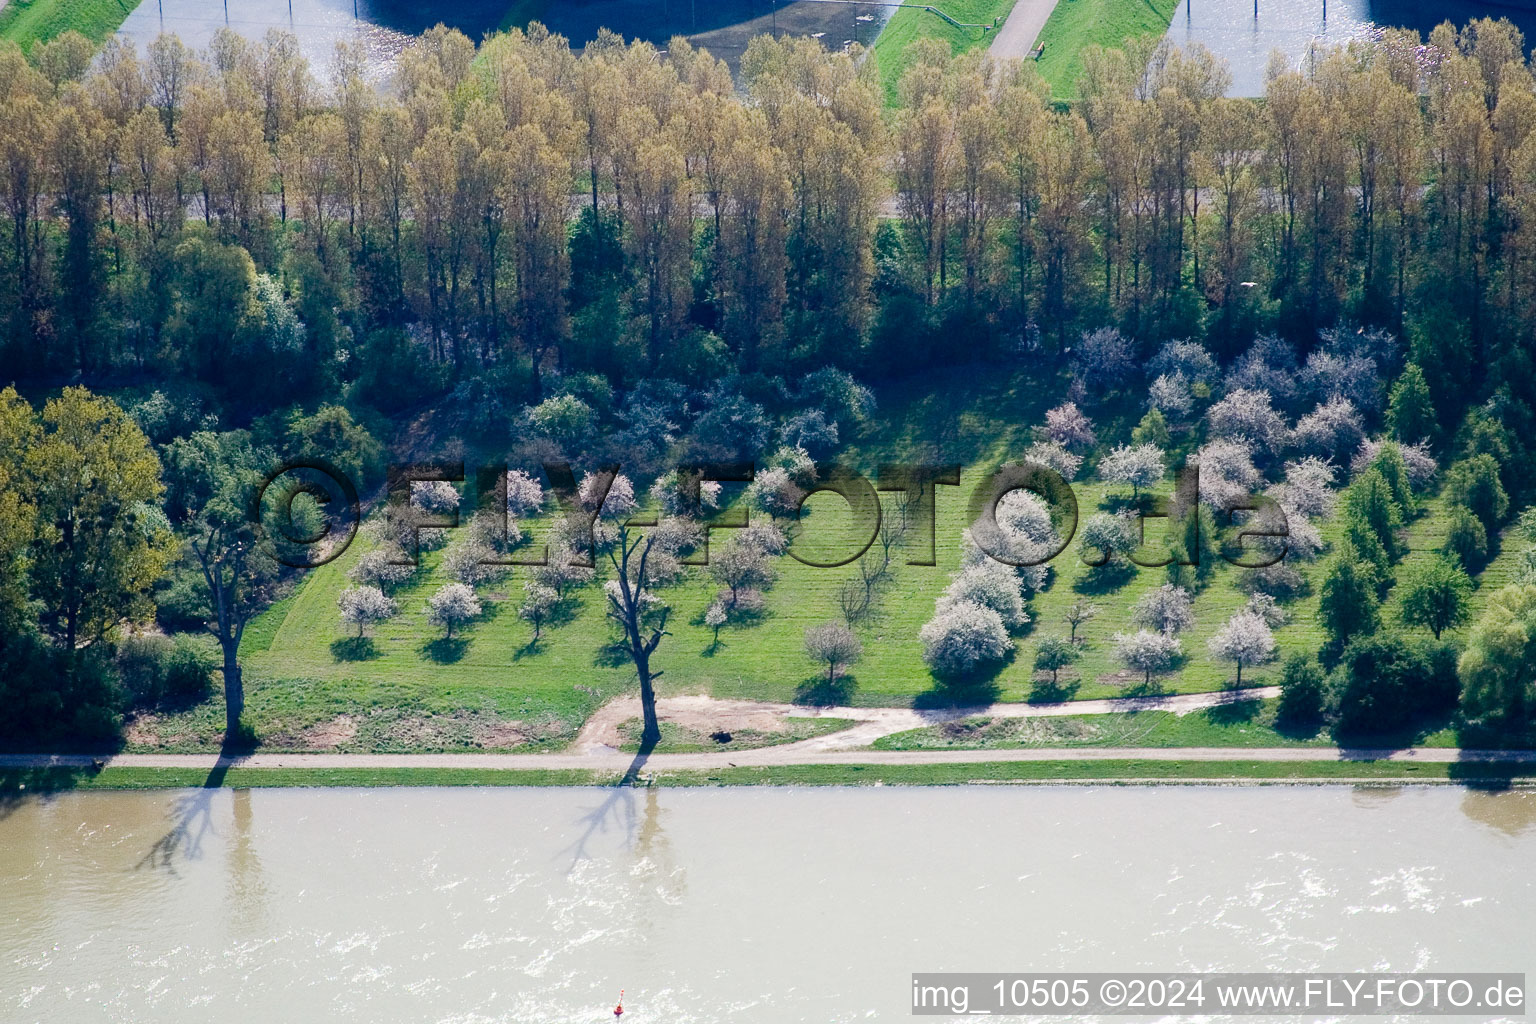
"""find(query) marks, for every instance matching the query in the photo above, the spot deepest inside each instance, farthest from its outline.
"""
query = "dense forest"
(220, 258)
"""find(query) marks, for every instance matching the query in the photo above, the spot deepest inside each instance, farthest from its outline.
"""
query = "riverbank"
(21, 775)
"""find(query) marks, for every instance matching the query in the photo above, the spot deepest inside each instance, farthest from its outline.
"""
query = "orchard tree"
(833, 644)
(454, 604)
(992, 585)
(741, 566)
(538, 604)
(1078, 613)
(963, 635)
(1245, 640)
(715, 617)
(1436, 595)
(1067, 426)
(1147, 651)
(1054, 654)
(364, 606)
(1167, 609)
(1140, 466)
(1108, 539)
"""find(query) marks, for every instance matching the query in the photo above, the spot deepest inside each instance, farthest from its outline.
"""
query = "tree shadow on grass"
(1045, 691)
(823, 692)
(611, 655)
(355, 648)
(970, 689)
(1234, 712)
(1145, 688)
(445, 650)
(1298, 729)
(1106, 579)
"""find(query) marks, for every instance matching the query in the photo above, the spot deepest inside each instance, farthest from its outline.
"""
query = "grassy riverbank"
(909, 24)
(1077, 24)
(19, 783)
(25, 22)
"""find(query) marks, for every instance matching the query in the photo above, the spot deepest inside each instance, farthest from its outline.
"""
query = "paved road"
(1018, 34)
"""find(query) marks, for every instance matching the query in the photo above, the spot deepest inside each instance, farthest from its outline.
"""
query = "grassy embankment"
(26, 22)
(1077, 24)
(16, 784)
(404, 689)
(909, 24)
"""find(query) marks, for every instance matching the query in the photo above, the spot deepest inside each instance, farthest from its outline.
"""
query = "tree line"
(518, 210)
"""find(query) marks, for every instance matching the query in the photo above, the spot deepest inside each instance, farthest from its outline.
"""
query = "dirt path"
(595, 747)
(1018, 34)
(600, 733)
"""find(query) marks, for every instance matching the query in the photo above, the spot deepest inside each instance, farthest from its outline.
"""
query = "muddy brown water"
(748, 905)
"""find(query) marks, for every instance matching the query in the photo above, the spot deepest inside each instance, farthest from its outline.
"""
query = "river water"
(747, 905)
(384, 27)
(1246, 32)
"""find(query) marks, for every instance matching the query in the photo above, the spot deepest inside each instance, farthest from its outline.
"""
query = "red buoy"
(618, 1011)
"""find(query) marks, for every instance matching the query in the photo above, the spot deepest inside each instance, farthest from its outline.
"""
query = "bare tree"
(642, 616)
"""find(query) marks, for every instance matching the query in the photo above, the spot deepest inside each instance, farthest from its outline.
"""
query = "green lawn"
(21, 783)
(26, 22)
(910, 24)
(1076, 24)
(1244, 724)
(403, 690)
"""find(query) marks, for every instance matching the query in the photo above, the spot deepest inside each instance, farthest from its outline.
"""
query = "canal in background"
(747, 905)
(385, 26)
(1229, 29)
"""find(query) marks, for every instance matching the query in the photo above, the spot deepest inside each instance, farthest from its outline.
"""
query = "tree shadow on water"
(192, 815)
(619, 805)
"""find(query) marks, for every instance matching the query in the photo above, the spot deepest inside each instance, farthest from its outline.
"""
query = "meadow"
(405, 687)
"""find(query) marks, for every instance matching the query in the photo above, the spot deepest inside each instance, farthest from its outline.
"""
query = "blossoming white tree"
(1147, 651)
(962, 635)
(1247, 415)
(364, 606)
(833, 644)
(1138, 465)
(525, 495)
(1167, 609)
(1245, 640)
(992, 585)
(1069, 427)
(454, 605)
